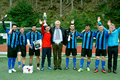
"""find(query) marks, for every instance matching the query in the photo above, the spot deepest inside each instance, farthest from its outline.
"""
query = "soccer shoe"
(38, 68)
(103, 71)
(96, 70)
(74, 68)
(13, 70)
(88, 69)
(9, 71)
(49, 68)
(66, 68)
(42, 69)
(114, 71)
(109, 71)
(19, 66)
(80, 70)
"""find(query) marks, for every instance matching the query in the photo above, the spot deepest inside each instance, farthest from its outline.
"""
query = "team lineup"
(55, 37)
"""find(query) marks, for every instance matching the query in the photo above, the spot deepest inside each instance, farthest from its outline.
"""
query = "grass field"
(58, 74)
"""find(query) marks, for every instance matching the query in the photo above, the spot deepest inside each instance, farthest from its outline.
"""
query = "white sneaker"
(9, 71)
(38, 68)
(13, 70)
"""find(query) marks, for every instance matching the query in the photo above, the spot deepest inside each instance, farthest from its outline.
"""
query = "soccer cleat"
(13, 70)
(80, 70)
(109, 71)
(96, 70)
(19, 66)
(103, 71)
(66, 68)
(49, 68)
(38, 68)
(9, 71)
(114, 71)
(42, 69)
(88, 69)
(74, 68)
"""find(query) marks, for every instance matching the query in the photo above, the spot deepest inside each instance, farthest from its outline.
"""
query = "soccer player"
(71, 45)
(12, 46)
(101, 46)
(112, 45)
(87, 45)
(46, 45)
(32, 36)
(22, 42)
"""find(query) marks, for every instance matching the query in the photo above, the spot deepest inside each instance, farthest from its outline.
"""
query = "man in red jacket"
(46, 45)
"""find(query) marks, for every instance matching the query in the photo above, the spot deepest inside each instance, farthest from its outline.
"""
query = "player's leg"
(49, 58)
(67, 53)
(44, 51)
(89, 54)
(23, 61)
(104, 53)
(74, 53)
(83, 53)
(23, 55)
(103, 64)
(97, 60)
(19, 59)
(31, 53)
(37, 54)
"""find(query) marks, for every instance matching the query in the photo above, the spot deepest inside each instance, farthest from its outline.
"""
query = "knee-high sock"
(9, 63)
(74, 61)
(82, 62)
(96, 64)
(13, 62)
(19, 63)
(23, 65)
(67, 61)
(88, 63)
(103, 64)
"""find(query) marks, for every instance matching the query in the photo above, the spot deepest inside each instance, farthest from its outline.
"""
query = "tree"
(22, 14)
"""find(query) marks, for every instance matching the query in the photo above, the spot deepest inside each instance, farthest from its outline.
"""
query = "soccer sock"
(103, 64)
(96, 64)
(67, 61)
(9, 63)
(38, 64)
(74, 61)
(82, 62)
(19, 63)
(30, 64)
(49, 62)
(88, 63)
(23, 65)
(13, 62)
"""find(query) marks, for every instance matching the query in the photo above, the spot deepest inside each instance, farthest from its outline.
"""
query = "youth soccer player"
(32, 36)
(12, 46)
(46, 45)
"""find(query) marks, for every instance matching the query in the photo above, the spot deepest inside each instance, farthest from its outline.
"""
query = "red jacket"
(46, 37)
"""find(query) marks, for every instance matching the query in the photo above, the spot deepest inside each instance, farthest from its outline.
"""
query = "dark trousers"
(114, 51)
(46, 51)
(57, 49)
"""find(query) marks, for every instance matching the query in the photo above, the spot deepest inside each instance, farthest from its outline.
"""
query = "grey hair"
(57, 22)
(112, 24)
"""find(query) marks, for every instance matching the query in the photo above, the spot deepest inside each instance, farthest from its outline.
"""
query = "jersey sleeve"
(77, 34)
(39, 36)
(94, 33)
(28, 35)
(7, 30)
(106, 33)
(119, 30)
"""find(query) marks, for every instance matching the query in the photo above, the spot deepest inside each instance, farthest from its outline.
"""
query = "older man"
(57, 41)
(112, 45)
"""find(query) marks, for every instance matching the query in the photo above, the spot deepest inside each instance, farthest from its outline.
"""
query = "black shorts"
(12, 52)
(32, 51)
(68, 51)
(22, 49)
(101, 52)
(87, 52)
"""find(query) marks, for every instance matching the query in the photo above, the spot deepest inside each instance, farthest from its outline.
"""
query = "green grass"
(58, 74)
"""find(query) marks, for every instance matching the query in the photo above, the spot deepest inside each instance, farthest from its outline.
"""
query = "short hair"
(112, 24)
(57, 22)
(87, 25)
(33, 25)
(21, 27)
(14, 25)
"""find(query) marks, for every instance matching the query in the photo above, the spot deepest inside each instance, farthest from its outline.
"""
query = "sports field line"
(65, 58)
